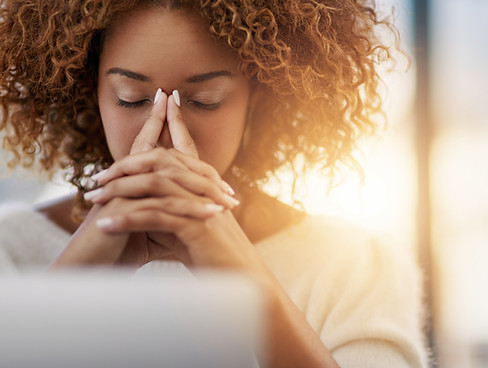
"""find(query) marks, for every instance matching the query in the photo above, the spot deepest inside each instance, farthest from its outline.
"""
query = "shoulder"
(359, 290)
(28, 238)
(319, 240)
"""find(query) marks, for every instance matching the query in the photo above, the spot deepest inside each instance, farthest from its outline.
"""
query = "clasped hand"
(157, 201)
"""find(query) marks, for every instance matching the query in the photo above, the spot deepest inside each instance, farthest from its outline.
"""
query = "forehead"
(159, 41)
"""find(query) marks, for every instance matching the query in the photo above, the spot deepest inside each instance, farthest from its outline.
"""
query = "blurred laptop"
(113, 320)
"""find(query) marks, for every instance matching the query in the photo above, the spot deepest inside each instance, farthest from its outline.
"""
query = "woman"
(189, 106)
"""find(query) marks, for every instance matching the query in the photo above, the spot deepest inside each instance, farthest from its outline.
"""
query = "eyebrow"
(199, 78)
(207, 76)
(129, 74)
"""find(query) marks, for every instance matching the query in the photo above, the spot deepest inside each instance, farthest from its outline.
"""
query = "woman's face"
(171, 49)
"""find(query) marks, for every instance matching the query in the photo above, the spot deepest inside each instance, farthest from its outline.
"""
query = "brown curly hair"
(315, 60)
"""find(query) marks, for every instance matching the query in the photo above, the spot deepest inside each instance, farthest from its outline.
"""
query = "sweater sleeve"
(28, 239)
(373, 317)
(6, 264)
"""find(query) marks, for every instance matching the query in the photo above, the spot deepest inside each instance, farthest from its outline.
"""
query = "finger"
(183, 207)
(143, 220)
(180, 136)
(170, 182)
(161, 211)
(202, 168)
(138, 186)
(142, 163)
(138, 164)
(151, 130)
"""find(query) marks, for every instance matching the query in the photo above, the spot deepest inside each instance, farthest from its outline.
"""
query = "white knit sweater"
(361, 296)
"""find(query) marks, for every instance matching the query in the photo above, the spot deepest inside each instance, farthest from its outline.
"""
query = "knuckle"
(173, 172)
(206, 200)
(175, 154)
(213, 173)
(159, 151)
(158, 156)
(124, 221)
(208, 189)
(209, 171)
(154, 181)
(157, 218)
(169, 204)
(116, 202)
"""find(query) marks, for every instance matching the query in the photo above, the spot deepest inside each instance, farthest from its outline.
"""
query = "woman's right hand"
(190, 186)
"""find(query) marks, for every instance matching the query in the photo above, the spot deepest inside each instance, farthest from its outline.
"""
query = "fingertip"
(106, 223)
(176, 97)
(100, 176)
(160, 101)
(227, 188)
(212, 208)
(93, 195)
(233, 201)
(158, 94)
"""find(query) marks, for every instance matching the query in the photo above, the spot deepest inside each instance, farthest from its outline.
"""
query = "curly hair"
(315, 61)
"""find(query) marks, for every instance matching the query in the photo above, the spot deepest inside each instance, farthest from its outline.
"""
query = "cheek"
(119, 124)
(218, 137)
(120, 129)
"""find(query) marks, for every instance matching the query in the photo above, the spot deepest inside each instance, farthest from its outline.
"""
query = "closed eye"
(204, 106)
(131, 105)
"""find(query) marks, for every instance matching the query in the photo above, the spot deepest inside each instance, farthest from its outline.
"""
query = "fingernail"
(232, 200)
(99, 175)
(214, 208)
(90, 196)
(104, 223)
(228, 188)
(158, 94)
(176, 96)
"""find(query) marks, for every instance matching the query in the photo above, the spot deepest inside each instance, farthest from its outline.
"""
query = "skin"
(169, 160)
(214, 106)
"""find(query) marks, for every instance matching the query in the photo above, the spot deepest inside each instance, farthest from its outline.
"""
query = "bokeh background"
(426, 176)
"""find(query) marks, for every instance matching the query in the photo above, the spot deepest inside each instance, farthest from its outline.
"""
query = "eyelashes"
(200, 105)
(131, 105)
(197, 104)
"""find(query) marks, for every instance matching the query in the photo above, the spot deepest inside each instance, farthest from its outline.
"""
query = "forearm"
(291, 340)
